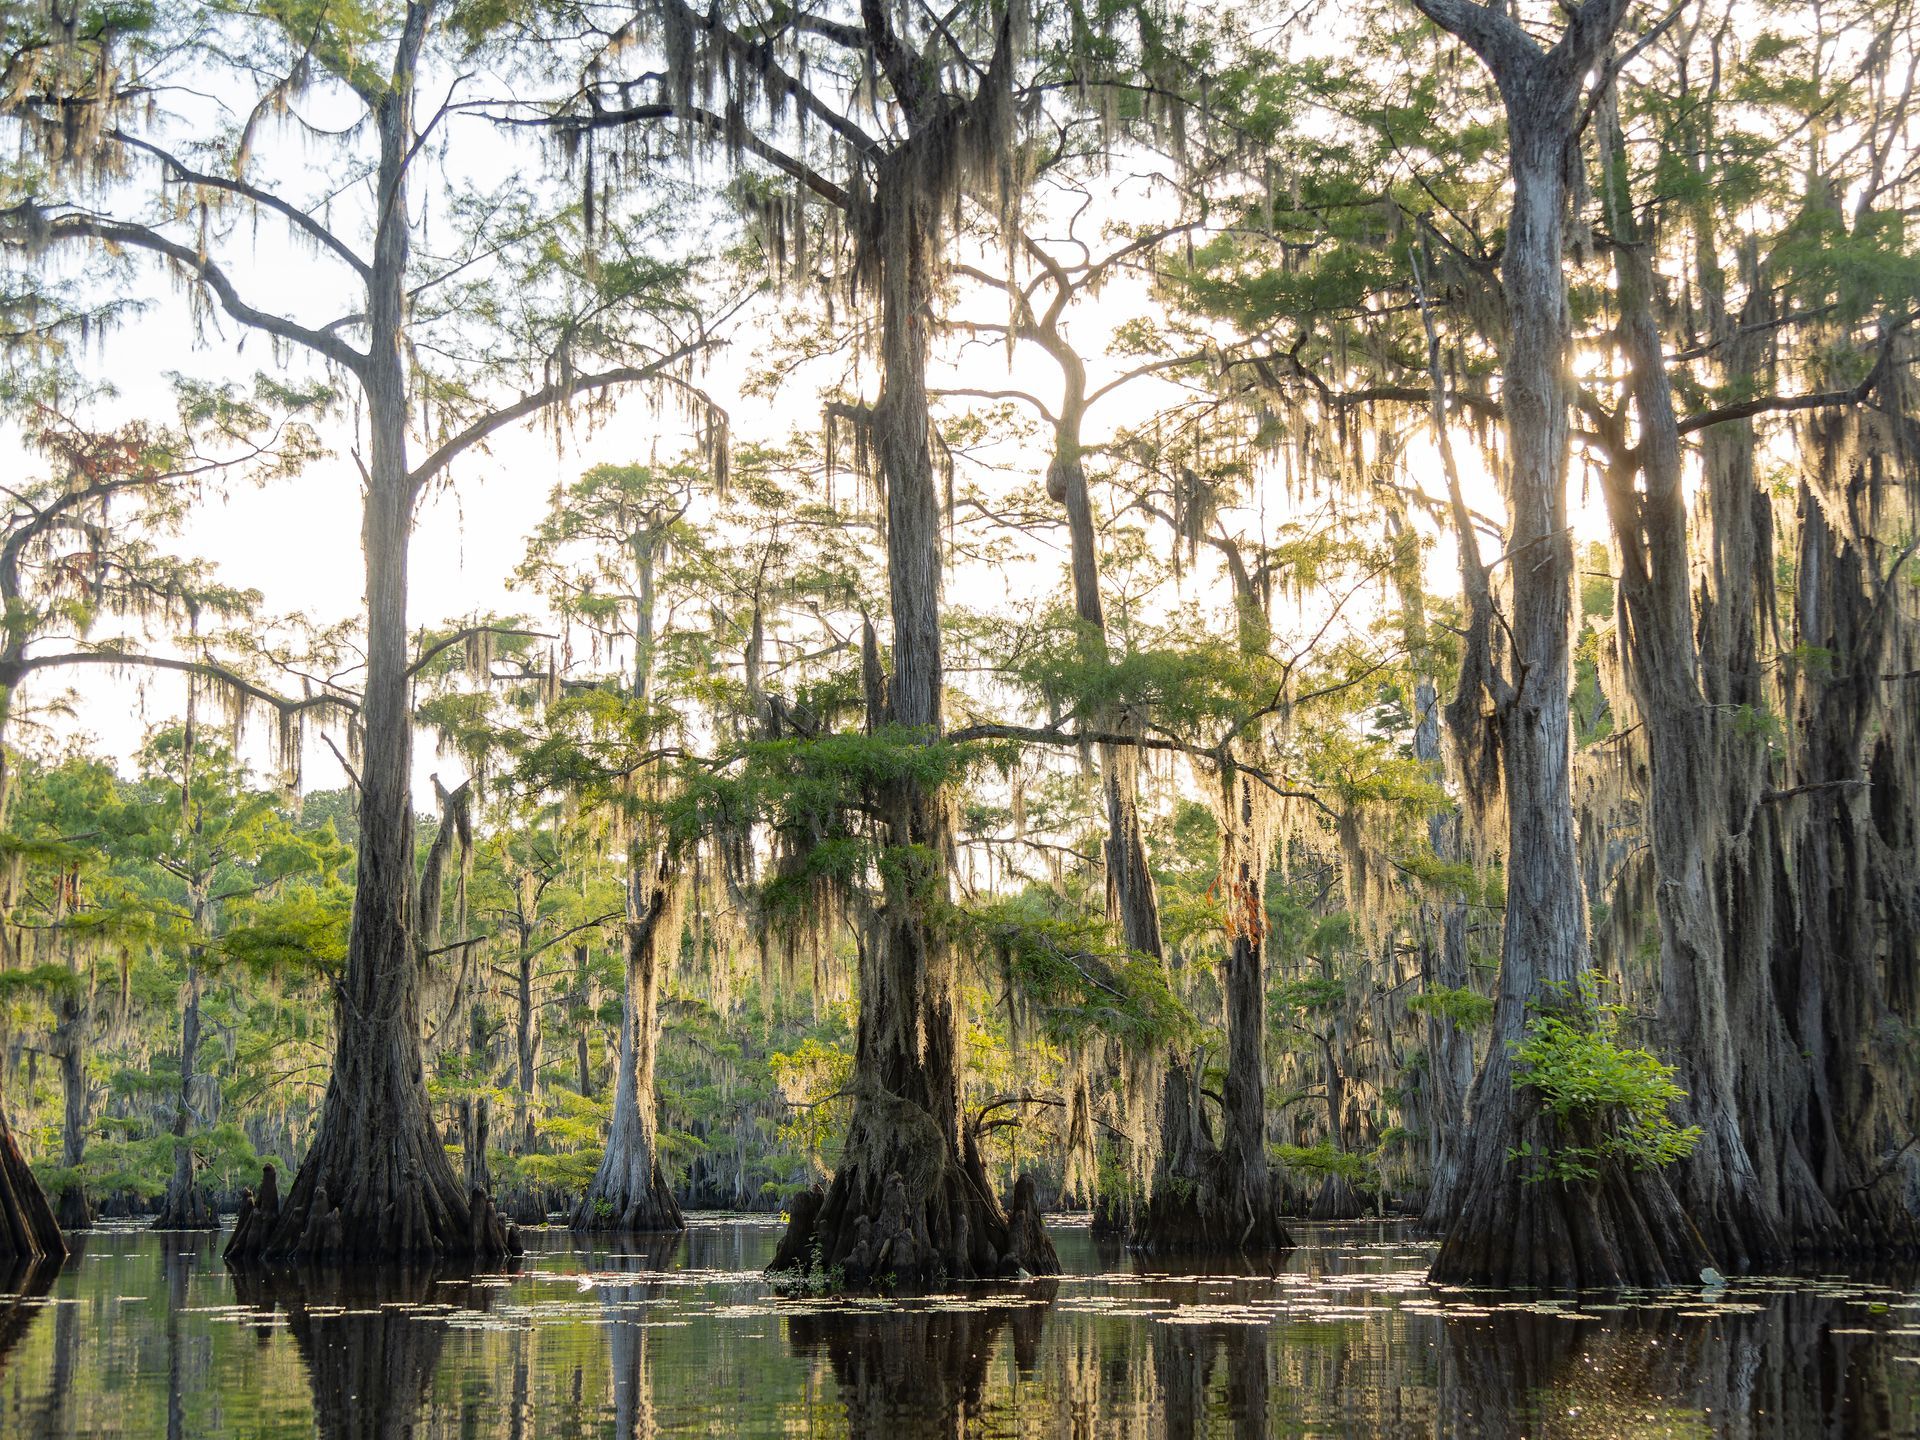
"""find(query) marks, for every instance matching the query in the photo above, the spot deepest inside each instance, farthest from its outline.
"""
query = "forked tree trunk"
(376, 1183)
(1624, 1227)
(628, 1192)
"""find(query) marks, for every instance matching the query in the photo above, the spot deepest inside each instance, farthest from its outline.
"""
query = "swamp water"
(144, 1334)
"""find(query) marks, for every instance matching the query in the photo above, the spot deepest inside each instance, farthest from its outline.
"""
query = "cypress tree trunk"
(628, 1192)
(1192, 1176)
(1625, 1227)
(28, 1230)
(582, 1056)
(1848, 850)
(70, 1044)
(376, 1183)
(909, 1202)
(1658, 654)
(1753, 900)
(1449, 1072)
(1247, 1180)
(185, 1206)
(1755, 911)
(526, 1050)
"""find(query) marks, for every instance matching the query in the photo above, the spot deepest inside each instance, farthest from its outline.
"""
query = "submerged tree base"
(186, 1210)
(647, 1209)
(914, 1230)
(73, 1210)
(1625, 1229)
(28, 1230)
(402, 1219)
(1200, 1214)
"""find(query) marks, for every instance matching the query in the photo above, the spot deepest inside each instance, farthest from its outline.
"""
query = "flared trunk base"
(1200, 1215)
(1624, 1229)
(28, 1230)
(73, 1210)
(645, 1210)
(188, 1209)
(393, 1209)
(868, 1231)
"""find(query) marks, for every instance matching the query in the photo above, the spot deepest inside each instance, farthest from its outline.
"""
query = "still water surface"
(148, 1335)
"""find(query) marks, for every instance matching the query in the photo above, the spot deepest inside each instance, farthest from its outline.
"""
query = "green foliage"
(815, 1080)
(1069, 970)
(1611, 1105)
(1465, 1007)
(1325, 1160)
(1311, 994)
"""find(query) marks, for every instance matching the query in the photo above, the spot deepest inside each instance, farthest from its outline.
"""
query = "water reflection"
(922, 1368)
(149, 1335)
(23, 1285)
(627, 1307)
(1774, 1361)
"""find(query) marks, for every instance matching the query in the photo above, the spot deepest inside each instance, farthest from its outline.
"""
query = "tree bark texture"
(1682, 746)
(376, 1183)
(1625, 1227)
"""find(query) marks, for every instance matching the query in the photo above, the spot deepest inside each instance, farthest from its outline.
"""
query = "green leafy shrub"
(1610, 1104)
(1465, 1007)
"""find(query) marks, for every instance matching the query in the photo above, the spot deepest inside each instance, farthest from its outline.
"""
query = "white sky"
(297, 541)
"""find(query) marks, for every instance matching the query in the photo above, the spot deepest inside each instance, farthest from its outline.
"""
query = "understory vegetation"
(1191, 613)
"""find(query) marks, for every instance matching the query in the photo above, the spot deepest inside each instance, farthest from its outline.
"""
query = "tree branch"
(78, 226)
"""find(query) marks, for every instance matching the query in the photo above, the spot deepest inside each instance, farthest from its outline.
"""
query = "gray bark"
(376, 1183)
(1626, 1227)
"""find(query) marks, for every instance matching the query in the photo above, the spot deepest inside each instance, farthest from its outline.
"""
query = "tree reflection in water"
(23, 1285)
(679, 1336)
(922, 1368)
(370, 1337)
(627, 1309)
(1787, 1364)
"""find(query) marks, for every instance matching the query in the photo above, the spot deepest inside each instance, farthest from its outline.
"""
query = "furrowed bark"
(1625, 1227)
(28, 1230)
(1658, 653)
(377, 1184)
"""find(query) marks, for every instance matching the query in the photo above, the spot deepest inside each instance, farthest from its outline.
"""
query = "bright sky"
(297, 541)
